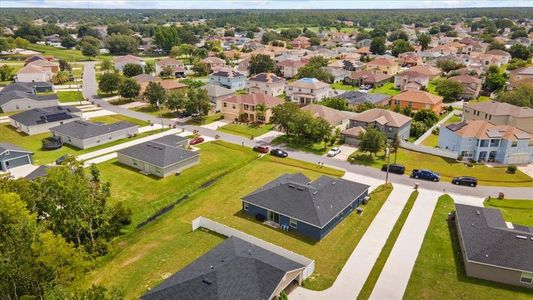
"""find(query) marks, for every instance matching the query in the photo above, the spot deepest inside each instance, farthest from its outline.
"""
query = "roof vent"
(315, 192)
(299, 188)
(212, 267)
(207, 281)
(486, 255)
(522, 237)
(334, 182)
(478, 212)
(291, 186)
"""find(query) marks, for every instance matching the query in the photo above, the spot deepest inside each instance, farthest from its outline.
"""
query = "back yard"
(439, 270)
(146, 256)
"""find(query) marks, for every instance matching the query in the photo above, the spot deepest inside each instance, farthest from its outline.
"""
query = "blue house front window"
(495, 143)
(483, 143)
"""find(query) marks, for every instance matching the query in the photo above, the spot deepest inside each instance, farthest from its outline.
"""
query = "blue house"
(311, 208)
(12, 156)
(228, 78)
(480, 140)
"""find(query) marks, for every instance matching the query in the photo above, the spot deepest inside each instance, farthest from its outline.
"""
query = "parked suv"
(465, 180)
(394, 168)
(425, 174)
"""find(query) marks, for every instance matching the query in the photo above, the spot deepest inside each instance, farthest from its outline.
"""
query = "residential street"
(90, 92)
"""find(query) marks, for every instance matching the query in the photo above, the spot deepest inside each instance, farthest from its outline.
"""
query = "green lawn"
(453, 119)
(33, 143)
(432, 140)
(143, 258)
(342, 86)
(447, 168)
(253, 130)
(387, 89)
(515, 211)
(148, 109)
(479, 100)
(293, 143)
(386, 250)
(117, 118)
(439, 270)
(68, 55)
(206, 120)
(69, 96)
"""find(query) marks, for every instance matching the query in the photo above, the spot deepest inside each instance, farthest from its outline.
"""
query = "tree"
(22, 43)
(106, 65)
(176, 100)
(261, 112)
(64, 65)
(335, 103)
(378, 46)
(372, 141)
(166, 37)
(149, 67)
(200, 68)
(448, 65)
(449, 89)
(119, 28)
(61, 77)
(494, 80)
(424, 40)
(129, 88)
(167, 71)
(362, 35)
(262, 64)
(398, 35)
(6, 45)
(185, 50)
(519, 51)
(229, 32)
(282, 115)
(418, 128)
(68, 42)
(109, 82)
(400, 46)
(311, 71)
(395, 144)
(119, 44)
(6, 72)
(199, 102)
(426, 116)
(131, 70)
(89, 50)
(519, 96)
(495, 45)
(519, 33)
(155, 94)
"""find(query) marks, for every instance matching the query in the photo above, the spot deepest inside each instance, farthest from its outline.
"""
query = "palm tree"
(261, 112)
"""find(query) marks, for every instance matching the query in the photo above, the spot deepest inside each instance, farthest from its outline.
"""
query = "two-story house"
(175, 65)
(471, 86)
(307, 90)
(244, 107)
(383, 65)
(388, 122)
(231, 79)
(500, 113)
(266, 83)
(411, 80)
(289, 67)
(417, 100)
(409, 59)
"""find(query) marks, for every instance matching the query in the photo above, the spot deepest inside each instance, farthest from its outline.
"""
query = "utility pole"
(387, 152)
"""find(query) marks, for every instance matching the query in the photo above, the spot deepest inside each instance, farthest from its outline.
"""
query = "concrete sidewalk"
(354, 273)
(395, 275)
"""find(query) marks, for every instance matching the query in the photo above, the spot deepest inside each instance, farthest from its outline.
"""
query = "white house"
(307, 90)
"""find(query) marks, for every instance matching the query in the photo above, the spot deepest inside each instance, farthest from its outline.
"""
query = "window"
(293, 223)
(494, 143)
(225, 104)
(483, 143)
(514, 144)
(526, 278)
(245, 206)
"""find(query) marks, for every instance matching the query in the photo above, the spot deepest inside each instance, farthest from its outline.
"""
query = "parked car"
(425, 174)
(196, 140)
(465, 180)
(333, 152)
(61, 159)
(279, 153)
(184, 114)
(261, 149)
(394, 168)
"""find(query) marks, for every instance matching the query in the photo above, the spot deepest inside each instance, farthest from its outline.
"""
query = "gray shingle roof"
(315, 203)
(20, 90)
(357, 97)
(488, 240)
(233, 270)
(11, 147)
(214, 90)
(159, 152)
(81, 129)
(41, 171)
(45, 115)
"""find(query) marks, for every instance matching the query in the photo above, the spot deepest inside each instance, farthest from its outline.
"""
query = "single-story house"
(356, 98)
(471, 86)
(214, 62)
(161, 157)
(244, 107)
(335, 118)
(310, 208)
(12, 156)
(172, 63)
(33, 73)
(493, 249)
(40, 120)
(388, 122)
(417, 100)
(84, 134)
(217, 93)
(228, 78)
(27, 95)
(235, 269)
(372, 78)
(121, 61)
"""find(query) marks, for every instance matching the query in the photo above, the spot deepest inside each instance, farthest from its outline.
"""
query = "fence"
(429, 150)
(228, 231)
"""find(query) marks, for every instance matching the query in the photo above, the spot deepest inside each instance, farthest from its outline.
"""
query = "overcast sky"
(264, 4)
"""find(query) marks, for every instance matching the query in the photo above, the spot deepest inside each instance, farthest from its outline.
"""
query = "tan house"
(121, 61)
(244, 107)
(500, 113)
(143, 80)
(429, 71)
(417, 100)
(471, 86)
(373, 78)
(409, 59)
(307, 90)
(301, 42)
(383, 65)
(32, 73)
(335, 118)
(214, 62)
(266, 83)
(174, 64)
(289, 67)
(411, 81)
(520, 76)
(51, 66)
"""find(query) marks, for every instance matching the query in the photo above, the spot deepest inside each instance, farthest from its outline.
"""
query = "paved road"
(90, 88)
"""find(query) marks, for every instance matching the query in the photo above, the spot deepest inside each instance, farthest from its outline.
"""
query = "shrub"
(511, 169)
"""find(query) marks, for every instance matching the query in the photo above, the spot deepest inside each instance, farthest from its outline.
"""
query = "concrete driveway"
(22, 171)
(345, 152)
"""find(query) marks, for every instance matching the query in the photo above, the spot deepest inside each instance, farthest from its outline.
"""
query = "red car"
(261, 149)
(196, 140)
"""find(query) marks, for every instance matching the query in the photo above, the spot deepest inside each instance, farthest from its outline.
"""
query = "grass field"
(206, 120)
(432, 140)
(68, 55)
(447, 168)
(342, 86)
(117, 118)
(145, 257)
(254, 130)
(386, 250)
(69, 96)
(439, 270)
(317, 148)
(33, 143)
(515, 211)
(148, 109)
(387, 89)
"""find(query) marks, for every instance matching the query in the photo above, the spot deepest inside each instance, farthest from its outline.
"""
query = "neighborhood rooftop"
(81, 129)
(161, 152)
(45, 115)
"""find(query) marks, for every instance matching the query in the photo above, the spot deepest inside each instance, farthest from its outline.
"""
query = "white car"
(333, 152)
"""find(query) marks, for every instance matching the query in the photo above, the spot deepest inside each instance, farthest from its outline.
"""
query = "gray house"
(40, 120)
(12, 156)
(387, 121)
(84, 134)
(27, 95)
(356, 98)
(235, 269)
(161, 157)
(493, 249)
(312, 208)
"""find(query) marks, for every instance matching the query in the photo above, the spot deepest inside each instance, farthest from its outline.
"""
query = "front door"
(274, 217)
(146, 168)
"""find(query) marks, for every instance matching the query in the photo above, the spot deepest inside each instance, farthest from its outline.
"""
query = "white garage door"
(521, 158)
